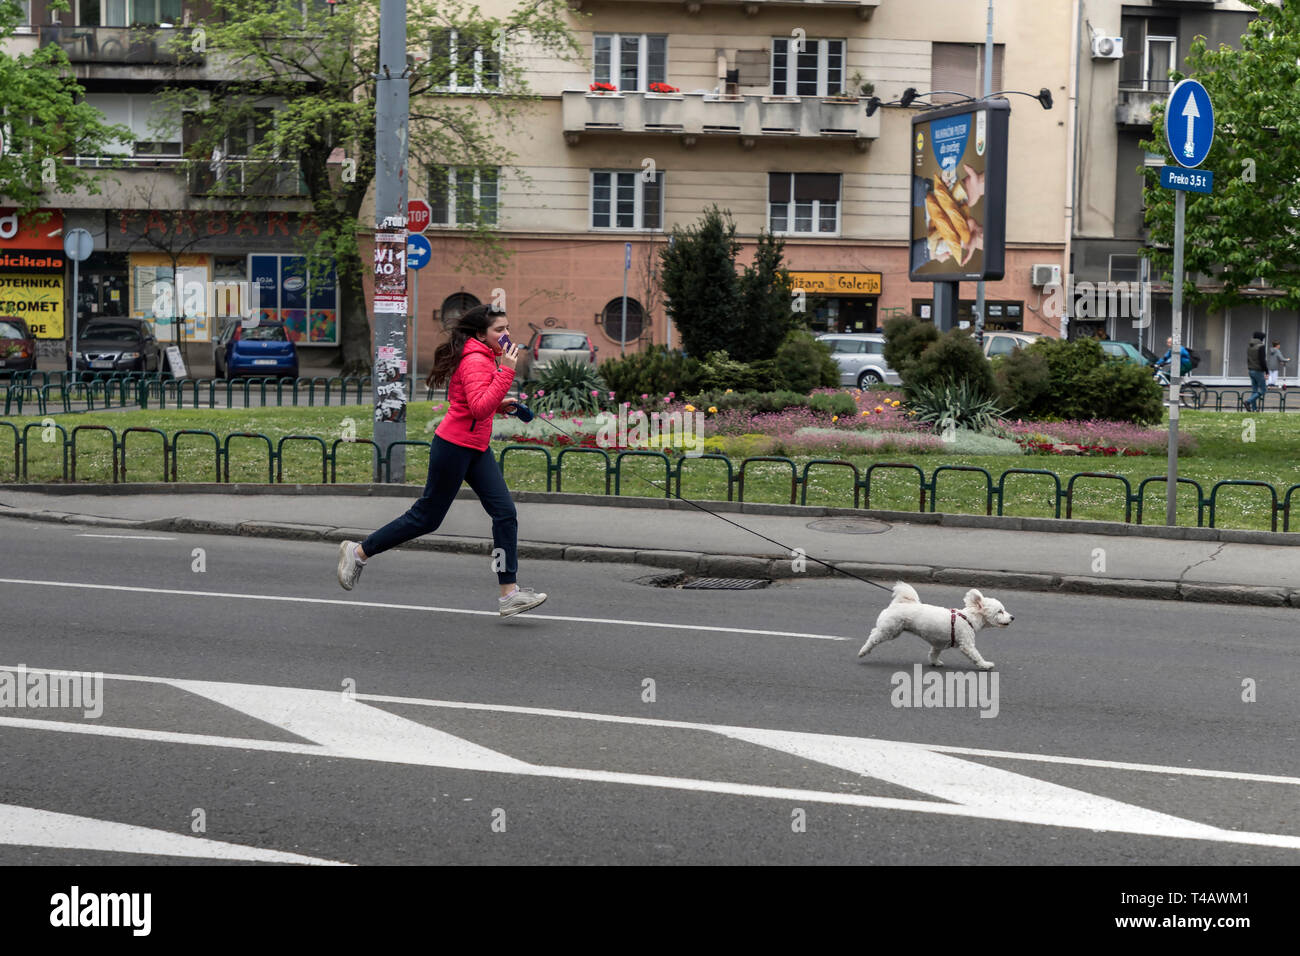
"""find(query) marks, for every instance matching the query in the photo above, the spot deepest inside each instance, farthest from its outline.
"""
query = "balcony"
(139, 46)
(863, 8)
(247, 177)
(693, 116)
(1133, 107)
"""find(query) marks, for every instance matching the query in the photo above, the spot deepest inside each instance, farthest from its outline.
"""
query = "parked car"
(1124, 350)
(117, 345)
(17, 346)
(547, 345)
(861, 358)
(263, 349)
(1004, 343)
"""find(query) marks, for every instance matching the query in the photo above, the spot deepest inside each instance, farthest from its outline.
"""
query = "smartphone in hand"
(504, 342)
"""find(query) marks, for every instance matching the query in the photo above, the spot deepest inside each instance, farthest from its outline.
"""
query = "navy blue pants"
(449, 465)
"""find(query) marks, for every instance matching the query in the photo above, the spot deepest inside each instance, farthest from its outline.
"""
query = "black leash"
(694, 504)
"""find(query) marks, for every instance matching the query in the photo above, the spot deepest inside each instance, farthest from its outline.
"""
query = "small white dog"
(942, 627)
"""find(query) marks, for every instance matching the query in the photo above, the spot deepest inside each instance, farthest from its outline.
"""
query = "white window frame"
(816, 214)
(25, 25)
(823, 66)
(453, 180)
(638, 213)
(456, 86)
(643, 80)
(1172, 43)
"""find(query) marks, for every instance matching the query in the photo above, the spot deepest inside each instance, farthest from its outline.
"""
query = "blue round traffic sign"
(1189, 123)
(418, 252)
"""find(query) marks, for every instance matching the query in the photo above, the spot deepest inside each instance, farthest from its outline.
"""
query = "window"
(612, 320)
(959, 67)
(463, 195)
(125, 13)
(154, 131)
(817, 70)
(467, 64)
(630, 61)
(456, 305)
(626, 200)
(1150, 52)
(804, 203)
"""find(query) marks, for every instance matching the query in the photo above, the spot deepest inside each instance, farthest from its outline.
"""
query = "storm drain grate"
(725, 584)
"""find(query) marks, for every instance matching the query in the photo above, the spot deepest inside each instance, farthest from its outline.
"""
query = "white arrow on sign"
(1192, 114)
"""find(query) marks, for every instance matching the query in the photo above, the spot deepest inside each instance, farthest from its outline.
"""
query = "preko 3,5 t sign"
(959, 186)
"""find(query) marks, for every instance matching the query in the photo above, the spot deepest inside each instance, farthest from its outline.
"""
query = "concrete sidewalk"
(1238, 567)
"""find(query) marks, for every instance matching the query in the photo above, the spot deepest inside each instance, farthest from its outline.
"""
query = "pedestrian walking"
(478, 375)
(1257, 366)
(1276, 362)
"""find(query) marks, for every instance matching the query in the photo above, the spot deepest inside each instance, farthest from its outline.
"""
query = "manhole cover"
(848, 525)
(724, 584)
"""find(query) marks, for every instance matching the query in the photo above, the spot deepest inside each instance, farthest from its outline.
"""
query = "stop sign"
(418, 215)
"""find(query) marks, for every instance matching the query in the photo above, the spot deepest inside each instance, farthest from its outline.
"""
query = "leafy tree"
(314, 66)
(747, 316)
(906, 338)
(47, 118)
(952, 359)
(1247, 227)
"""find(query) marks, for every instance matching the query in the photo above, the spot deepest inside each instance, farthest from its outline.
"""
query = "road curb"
(719, 565)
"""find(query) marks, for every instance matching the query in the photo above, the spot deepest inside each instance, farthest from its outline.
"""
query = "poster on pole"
(959, 187)
(390, 273)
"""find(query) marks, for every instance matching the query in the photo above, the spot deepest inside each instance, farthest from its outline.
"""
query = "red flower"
(662, 88)
(603, 87)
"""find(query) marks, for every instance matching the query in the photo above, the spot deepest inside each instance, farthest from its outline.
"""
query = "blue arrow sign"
(1189, 123)
(418, 251)
(1191, 180)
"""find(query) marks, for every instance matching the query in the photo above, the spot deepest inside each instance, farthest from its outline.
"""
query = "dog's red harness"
(958, 614)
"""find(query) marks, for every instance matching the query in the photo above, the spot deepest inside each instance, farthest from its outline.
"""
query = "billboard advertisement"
(959, 187)
(286, 294)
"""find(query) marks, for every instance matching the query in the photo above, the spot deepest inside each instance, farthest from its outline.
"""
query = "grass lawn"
(1230, 445)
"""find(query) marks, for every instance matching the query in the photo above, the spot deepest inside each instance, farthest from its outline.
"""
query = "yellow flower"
(864, 414)
(690, 408)
(895, 403)
(834, 418)
(713, 409)
(728, 392)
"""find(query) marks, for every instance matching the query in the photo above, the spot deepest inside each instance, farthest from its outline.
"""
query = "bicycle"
(1190, 390)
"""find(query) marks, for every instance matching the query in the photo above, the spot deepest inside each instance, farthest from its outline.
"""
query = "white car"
(861, 358)
(1004, 343)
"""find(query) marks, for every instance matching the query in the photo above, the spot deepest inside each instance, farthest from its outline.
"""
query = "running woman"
(478, 374)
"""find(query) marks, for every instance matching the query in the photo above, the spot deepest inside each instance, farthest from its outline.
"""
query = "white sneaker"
(350, 566)
(523, 599)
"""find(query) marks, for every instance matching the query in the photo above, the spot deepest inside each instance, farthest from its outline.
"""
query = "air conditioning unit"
(1041, 275)
(1107, 48)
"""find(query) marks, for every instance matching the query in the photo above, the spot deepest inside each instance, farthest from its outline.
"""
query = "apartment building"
(1126, 52)
(153, 224)
(758, 107)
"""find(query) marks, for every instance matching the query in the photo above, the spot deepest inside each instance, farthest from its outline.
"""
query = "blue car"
(264, 349)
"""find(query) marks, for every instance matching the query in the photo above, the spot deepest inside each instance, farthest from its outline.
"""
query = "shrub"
(754, 402)
(952, 359)
(656, 371)
(1081, 382)
(905, 339)
(961, 404)
(805, 363)
(720, 372)
(834, 403)
(566, 386)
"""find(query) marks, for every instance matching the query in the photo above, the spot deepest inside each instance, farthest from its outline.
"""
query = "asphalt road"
(253, 709)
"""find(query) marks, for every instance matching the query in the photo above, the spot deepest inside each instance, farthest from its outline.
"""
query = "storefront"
(840, 301)
(999, 315)
(189, 271)
(31, 271)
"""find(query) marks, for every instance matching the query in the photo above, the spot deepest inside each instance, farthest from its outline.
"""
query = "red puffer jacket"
(476, 391)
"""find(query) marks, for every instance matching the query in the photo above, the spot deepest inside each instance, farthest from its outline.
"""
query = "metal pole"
(945, 305)
(76, 281)
(392, 98)
(1175, 360)
(415, 335)
(988, 91)
(622, 339)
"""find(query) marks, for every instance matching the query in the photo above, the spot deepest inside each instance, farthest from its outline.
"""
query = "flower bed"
(1094, 437)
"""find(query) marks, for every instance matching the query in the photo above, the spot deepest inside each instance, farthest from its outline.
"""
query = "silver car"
(1004, 343)
(861, 358)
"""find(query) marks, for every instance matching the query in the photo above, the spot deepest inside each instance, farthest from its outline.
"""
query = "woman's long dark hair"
(447, 356)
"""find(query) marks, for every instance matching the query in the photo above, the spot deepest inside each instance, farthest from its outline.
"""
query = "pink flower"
(540, 392)
(627, 404)
(523, 395)
(644, 396)
(577, 421)
(672, 394)
(611, 396)
(595, 393)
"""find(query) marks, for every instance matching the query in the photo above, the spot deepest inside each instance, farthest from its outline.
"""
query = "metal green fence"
(249, 447)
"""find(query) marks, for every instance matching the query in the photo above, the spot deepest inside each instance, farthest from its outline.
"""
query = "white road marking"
(133, 537)
(24, 826)
(231, 595)
(352, 730)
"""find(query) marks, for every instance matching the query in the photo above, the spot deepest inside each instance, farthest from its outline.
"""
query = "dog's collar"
(957, 614)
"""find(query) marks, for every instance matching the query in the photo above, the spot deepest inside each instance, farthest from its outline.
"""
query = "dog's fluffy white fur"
(935, 624)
